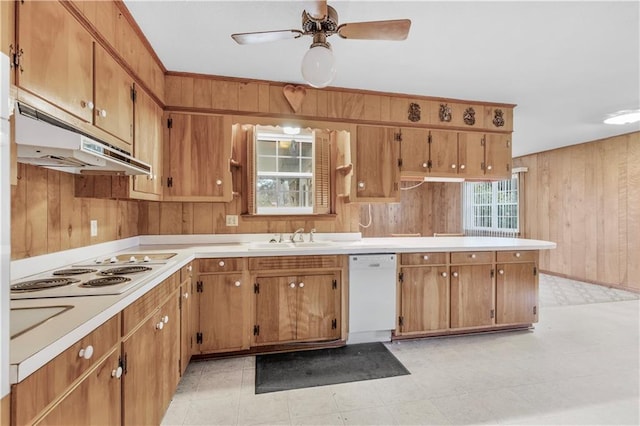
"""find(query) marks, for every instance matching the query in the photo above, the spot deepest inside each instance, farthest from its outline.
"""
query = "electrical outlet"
(94, 228)
(232, 220)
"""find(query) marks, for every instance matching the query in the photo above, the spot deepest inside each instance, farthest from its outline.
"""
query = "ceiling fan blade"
(316, 9)
(376, 30)
(265, 36)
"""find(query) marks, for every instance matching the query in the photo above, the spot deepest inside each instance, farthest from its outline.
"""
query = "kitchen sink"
(22, 320)
(288, 245)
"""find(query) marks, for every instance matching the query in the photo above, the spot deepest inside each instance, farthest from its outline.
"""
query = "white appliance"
(372, 297)
(99, 277)
(5, 224)
(45, 141)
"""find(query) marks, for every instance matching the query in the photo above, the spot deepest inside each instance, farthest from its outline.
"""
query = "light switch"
(94, 228)
(232, 220)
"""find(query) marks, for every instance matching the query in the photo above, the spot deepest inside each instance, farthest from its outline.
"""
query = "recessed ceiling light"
(623, 117)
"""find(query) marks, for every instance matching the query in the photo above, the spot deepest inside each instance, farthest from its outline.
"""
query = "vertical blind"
(491, 208)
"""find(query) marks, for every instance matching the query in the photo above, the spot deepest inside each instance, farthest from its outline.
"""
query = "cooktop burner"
(74, 271)
(123, 270)
(105, 281)
(42, 284)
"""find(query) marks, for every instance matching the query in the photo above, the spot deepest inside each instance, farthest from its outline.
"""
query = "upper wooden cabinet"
(197, 158)
(113, 111)
(414, 152)
(376, 157)
(56, 57)
(497, 156)
(147, 145)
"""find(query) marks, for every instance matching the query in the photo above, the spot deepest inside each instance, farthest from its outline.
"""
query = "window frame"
(470, 218)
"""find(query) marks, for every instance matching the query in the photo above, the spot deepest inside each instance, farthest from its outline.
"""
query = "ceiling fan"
(320, 21)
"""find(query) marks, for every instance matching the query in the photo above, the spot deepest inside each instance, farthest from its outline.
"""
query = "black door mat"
(351, 363)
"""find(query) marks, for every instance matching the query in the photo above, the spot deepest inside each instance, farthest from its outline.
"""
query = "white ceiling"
(565, 64)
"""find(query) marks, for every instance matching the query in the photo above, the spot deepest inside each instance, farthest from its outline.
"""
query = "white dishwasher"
(372, 297)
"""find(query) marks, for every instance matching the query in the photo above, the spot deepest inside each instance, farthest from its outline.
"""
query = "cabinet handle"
(462, 166)
(489, 167)
(218, 182)
(301, 285)
(501, 271)
(361, 185)
(186, 295)
(221, 263)
(424, 165)
(86, 353)
(425, 257)
(160, 325)
(237, 283)
(517, 254)
(117, 373)
(455, 274)
(444, 275)
(473, 256)
(87, 104)
(292, 285)
(189, 268)
(102, 112)
(453, 166)
(165, 319)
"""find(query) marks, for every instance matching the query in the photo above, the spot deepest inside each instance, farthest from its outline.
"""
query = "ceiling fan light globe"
(319, 66)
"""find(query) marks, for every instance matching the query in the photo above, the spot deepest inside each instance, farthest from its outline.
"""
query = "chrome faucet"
(298, 231)
(311, 234)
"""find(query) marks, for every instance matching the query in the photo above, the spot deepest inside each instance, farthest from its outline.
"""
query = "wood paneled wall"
(586, 198)
(46, 217)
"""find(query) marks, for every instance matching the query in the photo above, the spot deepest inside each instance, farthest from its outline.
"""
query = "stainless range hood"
(45, 141)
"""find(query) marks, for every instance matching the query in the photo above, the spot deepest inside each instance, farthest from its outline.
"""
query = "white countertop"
(37, 346)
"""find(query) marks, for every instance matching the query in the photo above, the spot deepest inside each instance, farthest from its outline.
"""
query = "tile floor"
(579, 366)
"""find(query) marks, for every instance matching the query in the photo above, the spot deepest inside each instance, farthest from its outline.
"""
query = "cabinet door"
(424, 299)
(318, 307)
(57, 59)
(141, 381)
(198, 158)
(95, 401)
(472, 296)
(471, 154)
(113, 98)
(444, 153)
(168, 346)
(414, 152)
(147, 144)
(498, 156)
(223, 305)
(276, 309)
(187, 326)
(516, 293)
(376, 163)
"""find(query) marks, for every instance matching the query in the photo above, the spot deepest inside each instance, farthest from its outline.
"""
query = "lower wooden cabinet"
(94, 401)
(297, 308)
(516, 293)
(188, 318)
(472, 296)
(424, 299)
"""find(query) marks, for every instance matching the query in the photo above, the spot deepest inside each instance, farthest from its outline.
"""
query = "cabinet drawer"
(37, 391)
(186, 272)
(517, 256)
(294, 262)
(220, 265)
(466, 257)
(133, 314)
(423, 258)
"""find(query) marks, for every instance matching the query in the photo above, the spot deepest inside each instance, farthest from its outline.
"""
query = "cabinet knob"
(102, 113)
(462, 166)
(189, 268)
(473, 256)
(455, 274)
(165, 319)
(501, 271)
(160, 325)
(425, 257)
(361, 185)
(86, 353)
(186, 295)
(453, 166)
(117, 373)
(444, 275)
(292, 285)
(489, 167)
(301, 285)
(87, 104)
(218, 182)
(221, 263)
(424, 165)
(517, 254)
(237, 283)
